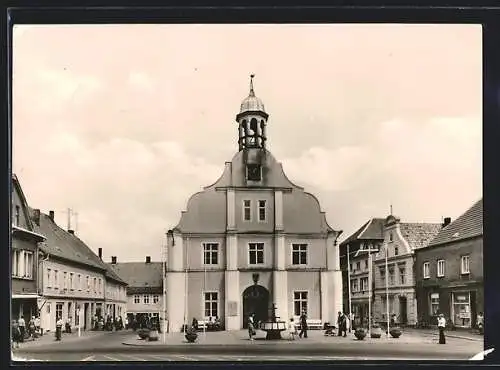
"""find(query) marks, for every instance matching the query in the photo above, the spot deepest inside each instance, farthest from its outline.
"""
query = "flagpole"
(186, 284)
(164, 270)
(204, 292)
(349, 287)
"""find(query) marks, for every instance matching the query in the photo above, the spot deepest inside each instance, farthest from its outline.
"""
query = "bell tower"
(252, 121)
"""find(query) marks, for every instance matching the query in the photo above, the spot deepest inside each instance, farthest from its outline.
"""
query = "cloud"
(141, 80)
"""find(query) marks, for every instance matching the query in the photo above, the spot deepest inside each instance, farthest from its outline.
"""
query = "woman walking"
(251, 327)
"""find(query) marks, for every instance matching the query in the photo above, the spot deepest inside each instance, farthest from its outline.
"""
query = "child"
(292, 330)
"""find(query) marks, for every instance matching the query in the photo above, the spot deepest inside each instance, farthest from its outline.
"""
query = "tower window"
(247, 210)
(254, 172)
(262, 210)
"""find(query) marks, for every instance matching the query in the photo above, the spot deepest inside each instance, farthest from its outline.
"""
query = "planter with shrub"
(143, 333)
(360, 333)
(395, 332)
(376, 331)
(191, 335)
(153, 335)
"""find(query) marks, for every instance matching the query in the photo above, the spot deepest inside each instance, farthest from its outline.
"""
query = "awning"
(25, 296)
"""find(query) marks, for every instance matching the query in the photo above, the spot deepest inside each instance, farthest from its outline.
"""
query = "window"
(65, 280)
(15, 263)
(49, 278)
(262, 210)
(16, 216)
(256, 253)
(299, 254)
(350, 267)
(299, 303)
(137, 299)
(382, 275)
(354, 285)
(95, 285)
(364, 284)
(366, 264)
(426, 271)
(28, 265)
(358, 265)
(88, 283)
(211, 304)
(146, 298)
(210, 253)
(254, 172)
(390, 237)
(391, 276)
(71, 286)
(440, 268)
(59, 308)
(396, 251)
(434, 300)
(402, 275)
(247, 210)
(99, 286)
(156, 298)
(79, 282)
(464, 265)
(22, 264)
(56, 279)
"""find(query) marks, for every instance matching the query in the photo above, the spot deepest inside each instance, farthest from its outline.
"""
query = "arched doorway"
(255, 301)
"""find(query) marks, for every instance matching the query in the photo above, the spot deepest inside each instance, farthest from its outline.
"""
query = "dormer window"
(390, 237)
(254, 172)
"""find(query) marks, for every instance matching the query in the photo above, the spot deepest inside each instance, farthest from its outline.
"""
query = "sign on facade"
(232, 308)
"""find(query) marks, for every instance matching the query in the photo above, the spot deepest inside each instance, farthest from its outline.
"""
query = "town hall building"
(251, 240)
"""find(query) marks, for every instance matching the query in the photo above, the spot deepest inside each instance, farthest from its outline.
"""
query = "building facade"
(144, 293)
(450, 272)
(395, 274)
(72, 279)
(250, 240)
(24, 257)
(115, 295)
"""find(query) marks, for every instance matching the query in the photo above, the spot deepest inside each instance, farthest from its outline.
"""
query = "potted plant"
(360, 333)
(376, 331)
(395, 332)
(153, 335)
(143, 333)
(191, 335)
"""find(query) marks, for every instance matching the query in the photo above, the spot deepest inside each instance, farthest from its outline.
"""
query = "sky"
(122, 123)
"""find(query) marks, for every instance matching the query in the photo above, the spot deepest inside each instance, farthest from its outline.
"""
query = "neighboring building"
(145, 287)
(71, 276)
(24, 257)
(250, 240)
(356, 268)
(450, 272)
(400, 241)
(115, 296)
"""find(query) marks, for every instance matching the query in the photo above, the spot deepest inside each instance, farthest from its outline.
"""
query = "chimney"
(99, 251)
(447, 221)
(36, 216)
(148, 259)
(51, 215)
(72, 232)
(113, 260)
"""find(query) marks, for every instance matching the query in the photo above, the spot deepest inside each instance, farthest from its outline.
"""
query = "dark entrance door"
(255, 301)
(403, 316)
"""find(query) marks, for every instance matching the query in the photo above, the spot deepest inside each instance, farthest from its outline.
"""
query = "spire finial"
(252, 93)
(391, 209)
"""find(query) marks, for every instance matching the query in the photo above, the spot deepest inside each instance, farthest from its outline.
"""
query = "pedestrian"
(303, 324)
(480, 323)
(16, 334)
(194, 324)
(59, 325)
(292, 330)
(38, 326)
(441, 326)
(341, 324)
(32, 328)
(22, 328)
(251, 327)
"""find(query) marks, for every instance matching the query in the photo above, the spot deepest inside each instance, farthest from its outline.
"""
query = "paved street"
(235, 347)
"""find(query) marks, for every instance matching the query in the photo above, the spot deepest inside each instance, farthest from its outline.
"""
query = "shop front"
(461, 309)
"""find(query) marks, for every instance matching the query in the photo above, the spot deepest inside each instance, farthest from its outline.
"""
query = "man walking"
(441, 326)
(59, 324)
(342, 325)
(22, 327)
(303, 325)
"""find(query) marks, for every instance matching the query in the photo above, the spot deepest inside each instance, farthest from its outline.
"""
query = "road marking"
(90, 358)
(133, 357)
(110, 358)
(161, 358)
(185, 358)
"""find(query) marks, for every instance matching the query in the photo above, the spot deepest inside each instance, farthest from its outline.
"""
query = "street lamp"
(369, 250)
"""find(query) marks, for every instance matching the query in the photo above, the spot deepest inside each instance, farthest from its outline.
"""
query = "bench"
(312, 324)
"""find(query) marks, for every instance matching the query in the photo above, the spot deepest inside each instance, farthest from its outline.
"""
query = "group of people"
(21, 331)
(116, 323)
(210, 325)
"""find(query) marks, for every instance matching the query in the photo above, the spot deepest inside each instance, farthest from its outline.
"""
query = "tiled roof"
(62, 244)
(468, 225)
(140, 274)
(111, 274)
(369, 231)
(419, 235)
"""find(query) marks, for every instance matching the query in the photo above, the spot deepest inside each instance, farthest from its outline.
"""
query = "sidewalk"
(232, 338)
(65, 338)
(448, 333)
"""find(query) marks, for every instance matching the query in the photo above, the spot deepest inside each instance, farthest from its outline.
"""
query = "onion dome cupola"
(252, 121)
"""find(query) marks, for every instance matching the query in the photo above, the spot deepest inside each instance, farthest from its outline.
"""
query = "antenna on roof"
(391, 209)
(71, 212)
